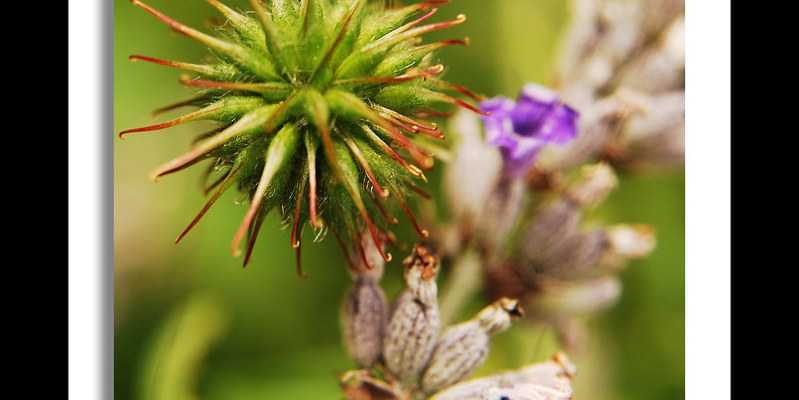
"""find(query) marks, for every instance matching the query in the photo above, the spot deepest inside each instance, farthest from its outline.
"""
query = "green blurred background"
(189, 321)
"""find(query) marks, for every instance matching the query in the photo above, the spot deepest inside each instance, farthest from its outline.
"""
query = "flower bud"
(473, 171)
(502, 210)
(578, 255)
(585, 297)
(550, 380)
(420, 272)
(411, 333)
(656, 137)
(464, 347)
(556, 373)
(628, 242)
(597, 181)
(365, 316)
(365, 308)
(548, 231)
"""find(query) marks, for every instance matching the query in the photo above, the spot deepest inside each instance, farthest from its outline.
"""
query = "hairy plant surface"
(324, 113)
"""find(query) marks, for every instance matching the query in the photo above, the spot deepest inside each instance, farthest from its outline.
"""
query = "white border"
(85, 200)
(707, 211)
(707, 200)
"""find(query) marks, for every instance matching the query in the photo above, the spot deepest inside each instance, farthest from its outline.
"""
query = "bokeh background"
(190, 322)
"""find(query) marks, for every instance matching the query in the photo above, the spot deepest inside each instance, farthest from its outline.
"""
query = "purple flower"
(523, 128)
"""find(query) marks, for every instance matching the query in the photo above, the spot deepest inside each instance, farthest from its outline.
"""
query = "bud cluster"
(622, 65)
(415, 359)
(534, 240)
(523, 180)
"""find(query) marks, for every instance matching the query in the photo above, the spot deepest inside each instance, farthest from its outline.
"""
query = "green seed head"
(323, 109)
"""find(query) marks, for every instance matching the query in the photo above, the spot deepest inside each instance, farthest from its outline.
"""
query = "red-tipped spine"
(411, 24)
(383, 146)
(295, 243)
(427, 130)
(362, 253)
(427, 4)
(422, 232)
(389, 40)
(190, 32)
(433, 70)
(427, 112)
(364, 163)
(316, 222)
(195, 101)
(410, 129)
(253, 231)
(247, 87)
(298, 260)
(418, 154)
(202, 69)
(180, 120)
(391, 220)
(255, 203)
(419, 190)
(228, 179)
(449, 99)
(438, 45)
(461, 89)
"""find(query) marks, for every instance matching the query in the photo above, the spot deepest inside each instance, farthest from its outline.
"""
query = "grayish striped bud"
(549, 230)
(365, 309)
(365, 316)
(550, 380)
(464, 347)
(556, 373)
(414, 325)
(576, 257)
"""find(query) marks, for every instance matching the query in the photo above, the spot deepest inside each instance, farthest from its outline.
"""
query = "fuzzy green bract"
(324, 110)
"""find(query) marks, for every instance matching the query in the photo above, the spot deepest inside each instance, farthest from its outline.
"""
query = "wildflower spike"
(316, 103)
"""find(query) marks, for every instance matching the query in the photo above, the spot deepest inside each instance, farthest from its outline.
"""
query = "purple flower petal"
(533, 108)
(561, 125)
(521, 129)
